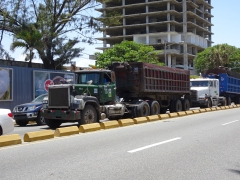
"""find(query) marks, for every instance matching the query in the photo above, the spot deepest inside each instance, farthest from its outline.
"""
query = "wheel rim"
(42, 120)
(89, 116)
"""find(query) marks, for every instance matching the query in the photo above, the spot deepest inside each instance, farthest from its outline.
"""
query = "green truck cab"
(90, 99)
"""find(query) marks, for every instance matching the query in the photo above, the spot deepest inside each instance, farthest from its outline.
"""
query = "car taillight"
(10, 114)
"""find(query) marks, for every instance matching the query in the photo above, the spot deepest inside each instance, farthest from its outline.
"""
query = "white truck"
(205, 93)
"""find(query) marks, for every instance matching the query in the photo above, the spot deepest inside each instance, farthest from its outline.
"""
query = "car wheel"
(21, 122)
(40, 120)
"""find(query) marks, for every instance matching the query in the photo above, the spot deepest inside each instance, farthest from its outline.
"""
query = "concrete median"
(208, 109)
(38, 135)
(189, 112)
(9, 140)
(66, 131)
(202, 110)
(89, 127)
(182, 113)
(109, 124)
(153, 118)
(213, 108)
(173, 115)
(164, 116)
(125, 122)
(196, 111)
(140, 120)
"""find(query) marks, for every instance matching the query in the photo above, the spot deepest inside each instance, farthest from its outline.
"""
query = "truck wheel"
(40, 120)
(53, 124)
(185, 105)
(1, 131)
(209, 103)
(176, 106)
(89, 115)
(143, 109)
(21, 123)
(154, 108)
(229, 101)
(224, 103)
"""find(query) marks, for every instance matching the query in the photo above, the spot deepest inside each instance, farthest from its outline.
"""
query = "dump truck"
(129, 89)
(216, 87)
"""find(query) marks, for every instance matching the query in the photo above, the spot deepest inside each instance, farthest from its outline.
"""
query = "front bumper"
(25, 116)
(61, 115)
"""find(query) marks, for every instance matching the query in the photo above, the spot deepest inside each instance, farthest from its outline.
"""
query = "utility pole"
(185, 56)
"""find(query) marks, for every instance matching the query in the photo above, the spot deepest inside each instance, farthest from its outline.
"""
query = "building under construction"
(180, 28)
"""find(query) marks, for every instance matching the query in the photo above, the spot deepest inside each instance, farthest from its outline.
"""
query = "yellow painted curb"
(238, 105)
(173, 115)
(66, 131)
(38, 135)
(195, 111)
(182, 113)
(223, 107)
(140, 120)
(208, 109)
(226, 107)
(213, 108)
(8, 140)
(230, 107)
(89, 127)
(189, 112)
(153, 118)
(125, 122)
(109, 124)
(164, 116)
(234, 106)
(218, 108)
(202, 110)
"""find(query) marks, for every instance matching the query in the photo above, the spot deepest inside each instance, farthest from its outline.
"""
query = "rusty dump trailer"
(148, 87)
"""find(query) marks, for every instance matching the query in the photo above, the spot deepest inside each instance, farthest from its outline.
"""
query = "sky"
(225, 30)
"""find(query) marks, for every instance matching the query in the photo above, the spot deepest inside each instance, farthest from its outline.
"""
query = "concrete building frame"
(180, 28)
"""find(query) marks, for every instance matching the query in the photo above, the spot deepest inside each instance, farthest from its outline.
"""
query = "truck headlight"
(45, 101)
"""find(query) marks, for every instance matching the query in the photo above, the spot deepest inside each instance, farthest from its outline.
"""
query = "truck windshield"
(85, 78)
(199, 83)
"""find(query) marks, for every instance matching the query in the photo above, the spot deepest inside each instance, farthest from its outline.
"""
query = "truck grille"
(193, 95)
(58, 97)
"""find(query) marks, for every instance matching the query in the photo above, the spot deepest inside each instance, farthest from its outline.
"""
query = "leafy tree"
(218, 55)
(28, 38)
(54, 19)
(126, 51)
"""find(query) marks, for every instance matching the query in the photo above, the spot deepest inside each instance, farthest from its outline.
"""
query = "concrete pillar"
(168, 27)
(147, 40)
(169, 60)
(185, 55)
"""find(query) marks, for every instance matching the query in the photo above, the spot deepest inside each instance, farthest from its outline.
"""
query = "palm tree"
(28, 38)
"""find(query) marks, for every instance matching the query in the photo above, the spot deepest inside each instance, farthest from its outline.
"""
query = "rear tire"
(143, 109)
(176, 106)
(1, 131)
(89, 115)
(229, 101)
(53, 124)
(185, 105)
(40, 120)
(154, 108)
(21, 122)
(209, 103)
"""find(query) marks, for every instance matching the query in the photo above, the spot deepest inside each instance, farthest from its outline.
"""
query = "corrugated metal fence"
(22, 90)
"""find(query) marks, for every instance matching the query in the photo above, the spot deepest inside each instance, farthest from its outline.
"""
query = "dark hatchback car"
(24, 113)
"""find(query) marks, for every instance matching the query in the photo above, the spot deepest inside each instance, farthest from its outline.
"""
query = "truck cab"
(205, 92)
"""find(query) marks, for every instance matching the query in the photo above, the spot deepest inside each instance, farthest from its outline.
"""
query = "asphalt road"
(197, 147)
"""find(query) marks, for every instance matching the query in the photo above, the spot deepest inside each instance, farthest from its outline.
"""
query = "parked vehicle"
(216, 87)
(145, 89)
(24, 113)
(6, 121)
